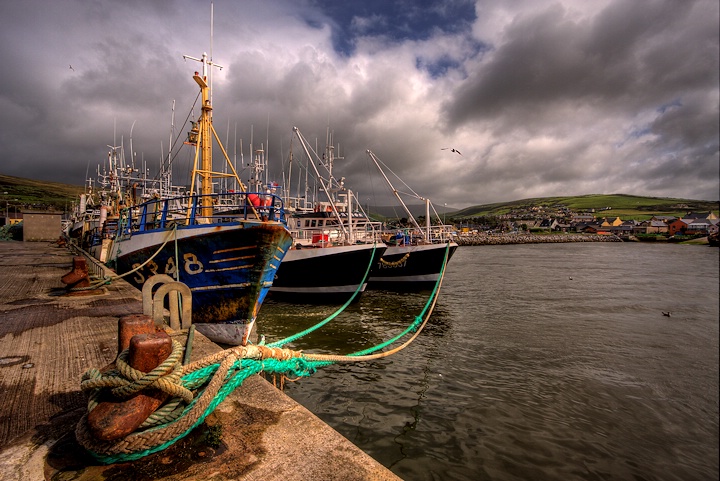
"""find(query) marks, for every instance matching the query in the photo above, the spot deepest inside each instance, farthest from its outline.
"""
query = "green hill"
(26, 193)
(20, 193)
(616, 205)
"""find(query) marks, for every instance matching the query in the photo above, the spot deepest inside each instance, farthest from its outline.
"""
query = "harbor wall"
(503, 239)
(50, 337)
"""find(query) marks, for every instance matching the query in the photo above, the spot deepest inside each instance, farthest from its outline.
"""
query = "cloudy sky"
(541, 98)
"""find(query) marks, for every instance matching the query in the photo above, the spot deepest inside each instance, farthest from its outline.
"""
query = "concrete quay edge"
(48, 340)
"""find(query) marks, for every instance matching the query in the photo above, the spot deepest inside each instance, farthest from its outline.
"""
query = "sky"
(540, 98)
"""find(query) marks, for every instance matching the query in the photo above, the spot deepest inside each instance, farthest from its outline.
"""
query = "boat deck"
(48, 340)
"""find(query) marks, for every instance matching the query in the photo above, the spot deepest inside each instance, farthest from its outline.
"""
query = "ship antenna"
(212, 25)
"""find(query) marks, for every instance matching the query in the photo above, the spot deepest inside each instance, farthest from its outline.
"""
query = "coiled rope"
(212, 379)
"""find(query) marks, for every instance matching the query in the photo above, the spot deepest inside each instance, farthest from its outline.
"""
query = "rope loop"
(124, 381)
(214, 377)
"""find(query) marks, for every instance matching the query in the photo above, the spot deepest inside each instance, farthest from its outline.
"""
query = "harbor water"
(542, 362)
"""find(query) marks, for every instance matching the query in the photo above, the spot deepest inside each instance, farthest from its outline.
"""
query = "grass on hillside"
(621, 205)
(37, 194)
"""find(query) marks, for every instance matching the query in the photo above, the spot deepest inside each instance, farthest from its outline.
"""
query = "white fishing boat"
(334, 243)
(415, 255)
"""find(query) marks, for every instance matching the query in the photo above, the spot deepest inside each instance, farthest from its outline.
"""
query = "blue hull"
(229, 271)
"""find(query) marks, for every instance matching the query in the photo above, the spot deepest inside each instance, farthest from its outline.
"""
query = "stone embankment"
(484, 239)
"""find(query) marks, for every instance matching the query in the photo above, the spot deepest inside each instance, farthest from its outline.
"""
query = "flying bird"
(452, 150)
(72, 68)
(666, 314)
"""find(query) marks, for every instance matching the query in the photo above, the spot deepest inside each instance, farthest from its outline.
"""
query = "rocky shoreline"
(484, 239)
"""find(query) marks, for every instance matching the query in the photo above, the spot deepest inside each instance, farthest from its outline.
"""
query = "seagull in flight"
(452, 150)
(72, 68)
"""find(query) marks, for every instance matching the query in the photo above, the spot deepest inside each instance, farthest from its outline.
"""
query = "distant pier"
(503, 239)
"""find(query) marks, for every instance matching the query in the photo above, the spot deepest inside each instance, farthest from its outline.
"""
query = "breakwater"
(484, 239)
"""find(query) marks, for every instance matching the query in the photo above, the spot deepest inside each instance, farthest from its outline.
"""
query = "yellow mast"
(206, 132)
(206, 168)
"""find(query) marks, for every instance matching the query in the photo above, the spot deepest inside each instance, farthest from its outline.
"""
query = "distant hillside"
(393, 212)
(620, 205)
(26, 193)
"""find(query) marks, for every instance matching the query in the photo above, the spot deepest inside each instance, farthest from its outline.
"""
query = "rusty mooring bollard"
(132, 325)
(78, 276)
(115, 419)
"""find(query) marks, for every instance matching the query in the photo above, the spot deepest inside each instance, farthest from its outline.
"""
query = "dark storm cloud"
(542, 98)
(632, 55)
(553, 74)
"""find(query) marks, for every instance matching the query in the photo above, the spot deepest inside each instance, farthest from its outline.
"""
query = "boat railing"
(439, 234)
(329, 233)
(198, 210)
(96, 269)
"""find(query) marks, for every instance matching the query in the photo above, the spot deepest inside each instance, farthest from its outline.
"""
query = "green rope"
(233, 374)
(411, 328)
(239, 371)
(334, 314)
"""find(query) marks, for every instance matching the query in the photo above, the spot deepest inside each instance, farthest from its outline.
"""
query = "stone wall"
(484, 239)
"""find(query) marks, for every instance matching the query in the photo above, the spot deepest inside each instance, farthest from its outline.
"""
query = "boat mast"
(205, 138)
(326, 188)
(397, 195)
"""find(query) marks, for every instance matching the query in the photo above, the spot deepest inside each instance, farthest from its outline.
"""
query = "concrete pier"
(48, 340)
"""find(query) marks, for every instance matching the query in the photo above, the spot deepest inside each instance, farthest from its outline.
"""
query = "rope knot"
(124, 381)
(279, 353)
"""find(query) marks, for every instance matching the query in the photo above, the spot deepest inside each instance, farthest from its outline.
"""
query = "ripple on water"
(523, 373)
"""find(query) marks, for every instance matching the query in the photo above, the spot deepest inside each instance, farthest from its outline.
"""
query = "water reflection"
(525, 373)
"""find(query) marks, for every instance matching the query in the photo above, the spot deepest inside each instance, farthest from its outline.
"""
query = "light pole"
(444, 213)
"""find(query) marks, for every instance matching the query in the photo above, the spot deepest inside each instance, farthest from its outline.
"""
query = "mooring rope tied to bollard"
(197, 388)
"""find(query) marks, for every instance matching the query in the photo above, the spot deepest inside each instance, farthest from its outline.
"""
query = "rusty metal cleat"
(78, 276)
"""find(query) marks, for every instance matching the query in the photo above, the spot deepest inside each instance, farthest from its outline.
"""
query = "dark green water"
(543, 362)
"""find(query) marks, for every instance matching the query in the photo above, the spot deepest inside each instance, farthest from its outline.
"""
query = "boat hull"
(324, 273)
(228, 268)
(409, 268)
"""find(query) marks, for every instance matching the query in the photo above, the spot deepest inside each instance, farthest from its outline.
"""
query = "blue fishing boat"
(225, 246)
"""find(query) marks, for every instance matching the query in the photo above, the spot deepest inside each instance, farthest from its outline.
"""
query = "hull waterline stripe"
(417, 278)
(225, 286)
(319, 290)
(247, 266)
(230, 259)
(233, 249)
